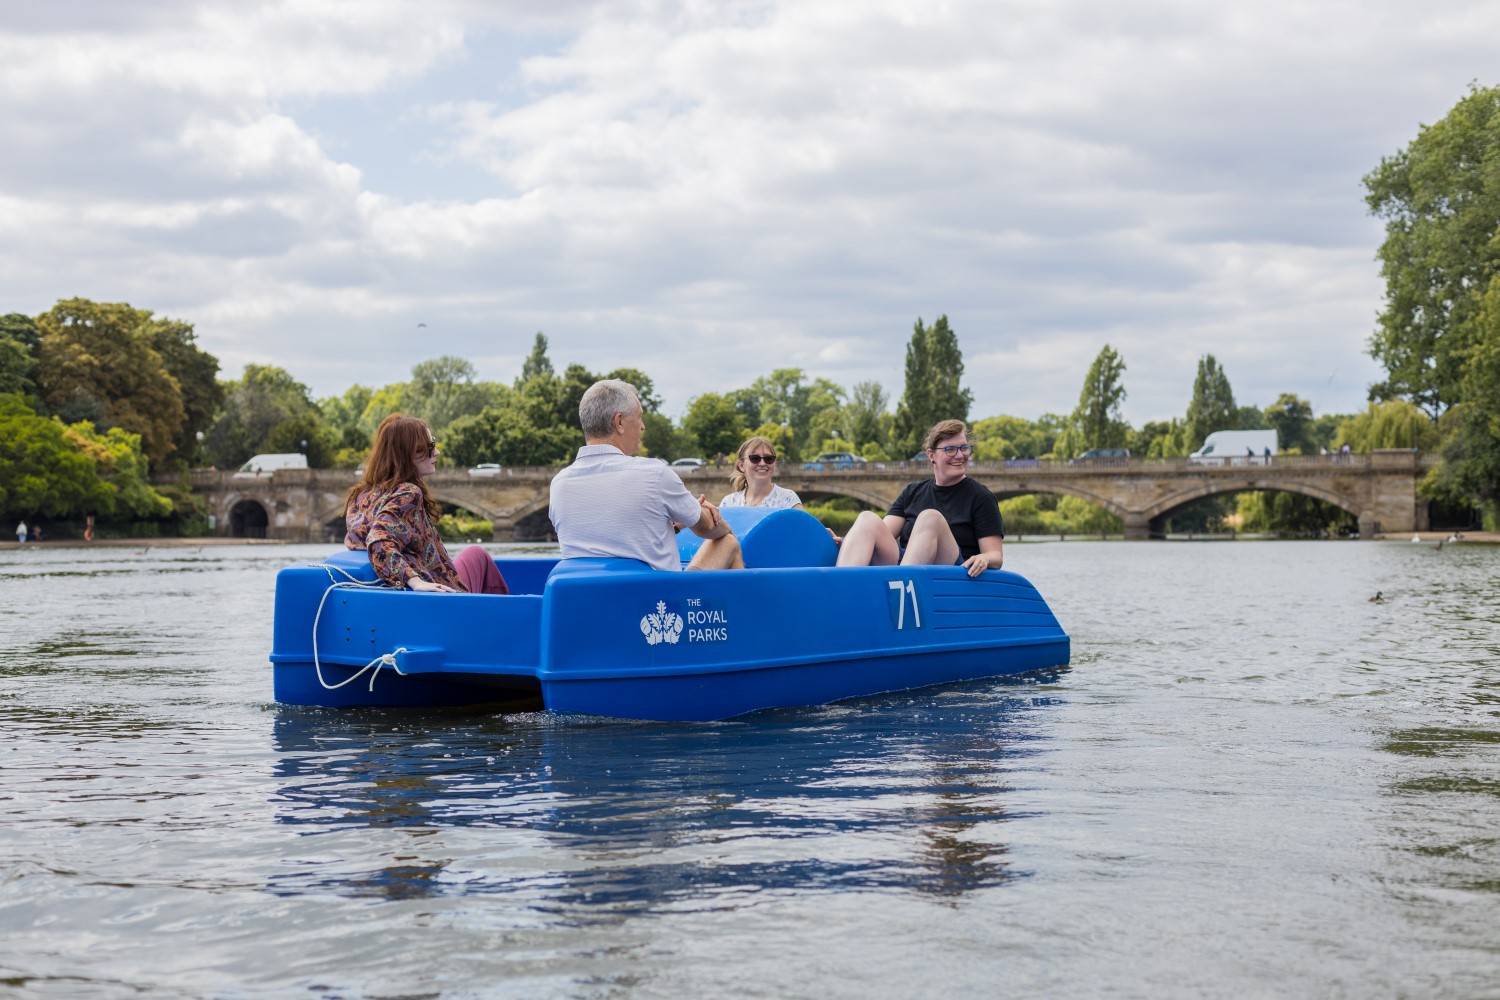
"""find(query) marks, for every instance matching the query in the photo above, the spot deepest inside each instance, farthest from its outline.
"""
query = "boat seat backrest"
(355, 562)
(772, 539)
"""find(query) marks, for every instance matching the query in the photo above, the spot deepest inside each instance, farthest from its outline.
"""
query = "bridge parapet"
(1379, 488)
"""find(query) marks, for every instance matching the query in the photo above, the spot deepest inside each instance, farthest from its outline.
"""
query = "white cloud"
(706, 191)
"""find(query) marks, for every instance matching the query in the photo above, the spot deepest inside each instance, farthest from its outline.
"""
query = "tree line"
(96, 396)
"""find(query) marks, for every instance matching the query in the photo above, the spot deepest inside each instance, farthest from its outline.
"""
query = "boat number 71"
(903, 589)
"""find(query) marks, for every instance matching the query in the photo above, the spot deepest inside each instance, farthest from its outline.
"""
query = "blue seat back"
(771, 539)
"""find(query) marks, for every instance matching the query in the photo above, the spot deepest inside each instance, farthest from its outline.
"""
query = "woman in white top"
(754, 467)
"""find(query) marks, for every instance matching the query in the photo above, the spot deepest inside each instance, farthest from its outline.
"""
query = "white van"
(264, 465)
(1236, 448)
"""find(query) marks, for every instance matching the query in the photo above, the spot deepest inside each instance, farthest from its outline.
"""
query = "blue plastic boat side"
(681, 646)
(460, 648)
(612, 637)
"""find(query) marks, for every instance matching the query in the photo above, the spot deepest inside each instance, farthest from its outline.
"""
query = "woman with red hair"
(390, 514)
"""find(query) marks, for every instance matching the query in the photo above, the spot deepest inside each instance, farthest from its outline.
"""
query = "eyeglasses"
(761, 459)
(956, 449)
(432, 448)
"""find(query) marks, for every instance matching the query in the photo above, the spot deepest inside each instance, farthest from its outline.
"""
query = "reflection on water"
(637, 816)
(1252, 782)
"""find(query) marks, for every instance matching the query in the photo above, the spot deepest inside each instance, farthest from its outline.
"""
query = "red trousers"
(478, 572)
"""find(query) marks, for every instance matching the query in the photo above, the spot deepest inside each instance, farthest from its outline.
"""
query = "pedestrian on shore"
(36, 533)
(21, 533)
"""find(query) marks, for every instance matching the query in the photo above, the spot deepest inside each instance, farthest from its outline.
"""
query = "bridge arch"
(248, 518)
(840, 491)
(1104, 503)
(1183, 498)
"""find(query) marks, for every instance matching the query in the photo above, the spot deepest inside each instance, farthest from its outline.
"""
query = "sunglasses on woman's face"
(761, 459)
(432, 448)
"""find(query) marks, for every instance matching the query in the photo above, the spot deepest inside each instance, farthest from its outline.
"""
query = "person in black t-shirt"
(944, 520)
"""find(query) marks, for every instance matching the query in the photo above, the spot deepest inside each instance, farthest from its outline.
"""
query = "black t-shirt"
(970, 508)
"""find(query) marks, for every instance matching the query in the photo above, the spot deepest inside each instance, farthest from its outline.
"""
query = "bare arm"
(991, 555)
(711, 523)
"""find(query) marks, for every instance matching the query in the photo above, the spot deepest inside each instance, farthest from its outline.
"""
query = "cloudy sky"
(707, 191)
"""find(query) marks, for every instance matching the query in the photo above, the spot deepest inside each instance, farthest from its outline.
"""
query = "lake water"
(1252, 782)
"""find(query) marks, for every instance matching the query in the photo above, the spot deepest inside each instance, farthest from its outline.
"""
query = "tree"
(19, 339)
(1392, 424)
(715, 423)
(1291, 417)
(41, 469)
(443, 389)
(104, 353)
(1160, 439)
(864, 414)
(1096, 422)
(119, 464)
(1212, 407)
(1440, 199)
(537, 362)
(255, 406)
(934, 371)
(197, 375)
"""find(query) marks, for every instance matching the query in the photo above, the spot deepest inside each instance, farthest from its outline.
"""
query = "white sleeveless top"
(778, 498)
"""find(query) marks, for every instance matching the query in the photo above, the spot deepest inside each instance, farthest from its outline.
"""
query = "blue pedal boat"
(613, 637)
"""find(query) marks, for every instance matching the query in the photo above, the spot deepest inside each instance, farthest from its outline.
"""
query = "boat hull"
(613, 638)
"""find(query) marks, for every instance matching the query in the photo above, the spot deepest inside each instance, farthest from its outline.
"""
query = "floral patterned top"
(395, 529)
(778, 498)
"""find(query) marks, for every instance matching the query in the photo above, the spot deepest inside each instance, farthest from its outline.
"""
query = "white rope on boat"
(374, 666)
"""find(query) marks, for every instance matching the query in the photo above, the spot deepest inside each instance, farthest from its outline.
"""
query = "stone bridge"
(1380, 489)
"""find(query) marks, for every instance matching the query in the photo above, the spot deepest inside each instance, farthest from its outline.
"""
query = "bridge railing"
(708, 474)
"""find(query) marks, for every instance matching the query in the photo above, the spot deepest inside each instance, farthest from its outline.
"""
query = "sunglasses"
(432, 448)
(761, 459)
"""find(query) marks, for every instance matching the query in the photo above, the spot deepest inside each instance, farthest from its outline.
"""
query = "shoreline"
(1423, 537)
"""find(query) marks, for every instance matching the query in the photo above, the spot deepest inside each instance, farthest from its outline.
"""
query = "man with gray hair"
(612, 503)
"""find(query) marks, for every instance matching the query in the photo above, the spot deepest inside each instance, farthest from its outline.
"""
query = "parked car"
(1102, 456)
(688, 464)
(486, 469)
(838, 461)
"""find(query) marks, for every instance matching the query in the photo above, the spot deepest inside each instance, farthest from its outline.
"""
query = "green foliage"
(19, 339)
(463, 526)
(197, 375)
(715, 424)
(1064, 515)
(1160, 439)
(1096, 421)
(934, 374)
(1393, 424)
(117, 458)
(665, 440)
(864, 415)
(508, 434)
(1471, 450)
(996, 439)
(1293, 515)
(106, 353)
(537, 362)
(1440, 199)
(267, 410)
(42, 471)
(1212, 407)
(1291, 417)
(443, 389)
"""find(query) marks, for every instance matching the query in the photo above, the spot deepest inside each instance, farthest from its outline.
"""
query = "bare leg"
(718, 553)
(931, 542)
(869, 543)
